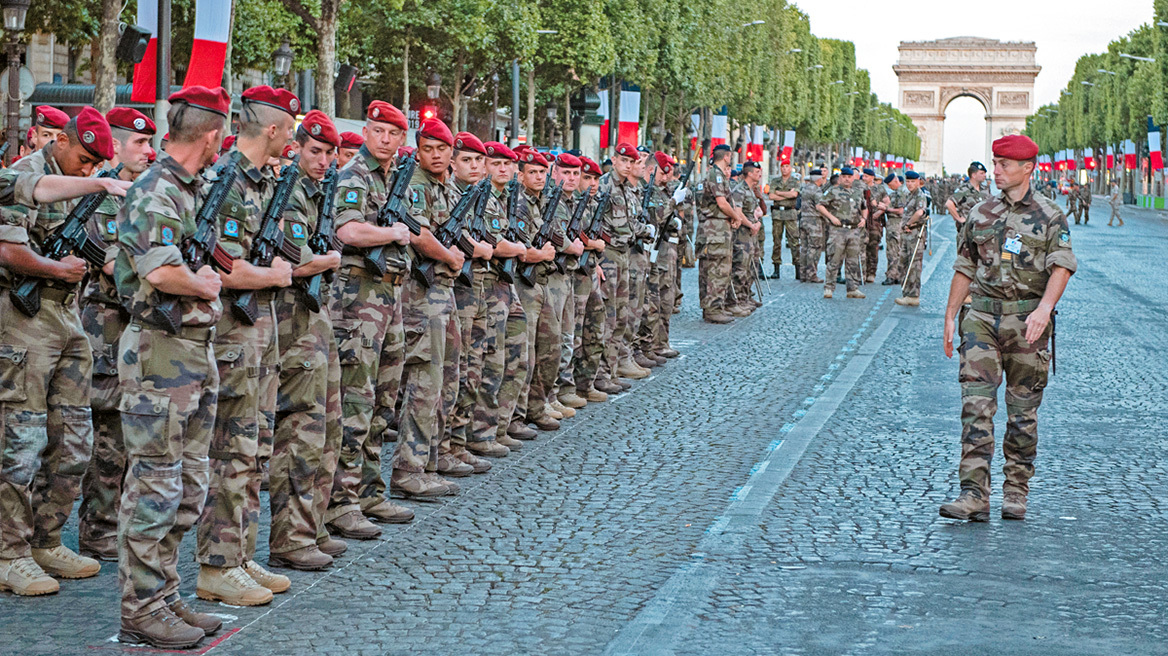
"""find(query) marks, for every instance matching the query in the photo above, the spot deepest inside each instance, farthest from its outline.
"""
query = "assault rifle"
(324, 240)
(546, 233)
(446, 234)
(201, 248)
(69, 238)
(506, 270)
(595, 230)
(643, 215)
(574, 231)
(395, 209)
(478, 232)
(270, 242)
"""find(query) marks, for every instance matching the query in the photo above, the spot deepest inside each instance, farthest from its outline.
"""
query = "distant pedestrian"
(1115, 200)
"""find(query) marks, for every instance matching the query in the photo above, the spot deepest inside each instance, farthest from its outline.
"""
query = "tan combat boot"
(572, 400)
(521, 431)
(544, 423)
(855, 293)
(643, 361)
(479, 465)
(967, 506)
(277, 583)
(209, 624)
(25, 577)
(334, 547)
(415, 485)
(595, 396)
(489, 449)
(908, 301)
(308, 559)
(669, 352)
(450, 488)
(387, 512)
(1014, 505)
(629, 369)
(565, 411)
(63, 562)
(740, 311)
(354, 526)
(508, 442)
(606, 387)
(449, 465)
(161, 629)
(231, 585)
(718, 317)
(827, 293)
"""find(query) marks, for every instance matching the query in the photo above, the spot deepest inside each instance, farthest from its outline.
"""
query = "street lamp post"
(282, 63)
(14, 15)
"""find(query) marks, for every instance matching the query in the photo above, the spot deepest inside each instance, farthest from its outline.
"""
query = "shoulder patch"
(1065, 238)
(231, 228)
(351, 196)
(167, 231)
(297, 230)
(111, 227)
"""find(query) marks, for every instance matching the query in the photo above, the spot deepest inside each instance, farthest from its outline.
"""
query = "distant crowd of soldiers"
(269, 307)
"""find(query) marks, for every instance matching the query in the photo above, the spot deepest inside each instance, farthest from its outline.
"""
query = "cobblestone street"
(773, 491)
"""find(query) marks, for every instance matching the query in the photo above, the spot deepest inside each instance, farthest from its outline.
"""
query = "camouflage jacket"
(158, 214)
(32, 223)
(685, 208)
(1010, 249)
(811, 195)
(362, 187)
(302, 214)
(966, 196)
(915, 201)
(102, 229)
(1085, 196)
(717, 186)
(843, 205)
(623, 204)
(242, 213)
(431, 202)
(743, 197)
(783, 207)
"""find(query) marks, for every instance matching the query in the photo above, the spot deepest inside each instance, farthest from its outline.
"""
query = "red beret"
(628, 150)
(318, 126)
(521, 148)
(289, 152)
(166, 137)
(1016, 146)
(664, 162)
(213, 100)
(569, 160)
(228, 142)
(281, 99)
(404, 152)
(383, 112)
(28, 137)
(351, 140)
(129, 119)
(432, 128)
(590, 166)
(499, 151)
(51, 117)
(532, 156)
(467, 141)
(94, 133)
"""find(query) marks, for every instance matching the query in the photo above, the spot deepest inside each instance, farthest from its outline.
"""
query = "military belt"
(999, 307)
(62, 296)
(391, 277)
(204, 334)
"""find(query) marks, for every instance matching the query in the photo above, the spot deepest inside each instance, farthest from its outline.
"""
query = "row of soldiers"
(231, 314)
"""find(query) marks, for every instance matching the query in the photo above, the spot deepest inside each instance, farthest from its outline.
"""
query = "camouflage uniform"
(366, 316)
(588, 344)
(638, 273)
(845, 243)
(811, 230)
(663, 277)
(301, 477)
(248, 362)
(912, 243)
(573, 315)
(875, 229)
(170, 387)
(617, 222)
(742, 267)
(966, 196)
(472, 305)
(1073, 204)
(1084, 203)
(45, 379)
(104, 319)
(560, 299)
(1009, 250)
(715, 249)
(783, 219)
(543, 325)
(433, 341)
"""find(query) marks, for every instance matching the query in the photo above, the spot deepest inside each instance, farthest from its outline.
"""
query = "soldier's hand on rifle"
(548, 252)
(71, 268)
(400, 233)
(210, 283)
(281, 272)
(483, 250)
(454, 258)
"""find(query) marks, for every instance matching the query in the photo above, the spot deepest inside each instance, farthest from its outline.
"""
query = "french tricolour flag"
(718, 132)
(755, 149)
(630, 117)
(209, 50)
(1129, 154)
(1110, 157)
(857, 156)
(144, 71)
(788, 146)
(1088, 158)
(1157, 158)
(603, 114)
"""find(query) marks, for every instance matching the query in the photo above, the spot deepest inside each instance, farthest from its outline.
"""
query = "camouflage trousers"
(506, 370)
(714, 265)
(541, 304)
(687, 259)
(365, 313)
(101, 485)
(570, 327)
(46, 429)
(811, 246)
(170, 388)
(743, 265)
(429, 380)
(844, 247)
(648, 296)
(485, 405)
(550, 340)
(912, 258)
(875, 232)
(387, 400)
(783, 226)
(990, 345)
(590, 322)
(615, 289)
(473, 310)
(306, 340)
(892, 240)
(654, 334)
(230, 518)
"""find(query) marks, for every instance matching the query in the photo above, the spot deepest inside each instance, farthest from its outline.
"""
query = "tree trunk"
(456, 99)
(326, 57)
(661, 120)
(406, 78)
(531, 105)
(105, 66)
(568, 142)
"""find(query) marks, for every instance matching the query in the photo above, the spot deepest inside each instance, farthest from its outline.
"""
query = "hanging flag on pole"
(1154, 154)
(755, 150)
(1089, 158)
(1110, 157)
(209, 50)
(718, 132)
(788, 146)
(145, 71)
(603, 114)
(630, 115)
(1129, 154)
(857, 156)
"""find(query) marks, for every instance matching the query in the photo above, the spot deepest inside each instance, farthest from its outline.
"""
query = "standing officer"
(841, 207)
(914, 232)
(968, 194)
(591, 313)
(718, 222)
(878, 195)
(1073, 201)
(46, 369)
(169, 381)
(49, 123)
(1084, 203)
(1015, 257)
(558, 331)
(744, 267)
(784, 190)
(367, 321)
(104, 319)
(1116, 201)
(663, 278)
(811, 226)
(894, 198)
(248, 361)
(624, 195)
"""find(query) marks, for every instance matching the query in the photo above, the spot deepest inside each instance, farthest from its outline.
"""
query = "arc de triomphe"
(998, 74)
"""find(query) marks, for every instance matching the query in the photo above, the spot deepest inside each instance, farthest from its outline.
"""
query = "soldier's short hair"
(255, 117)
(721, 156)
(121, 135)
(70, 130)
(188, 123)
